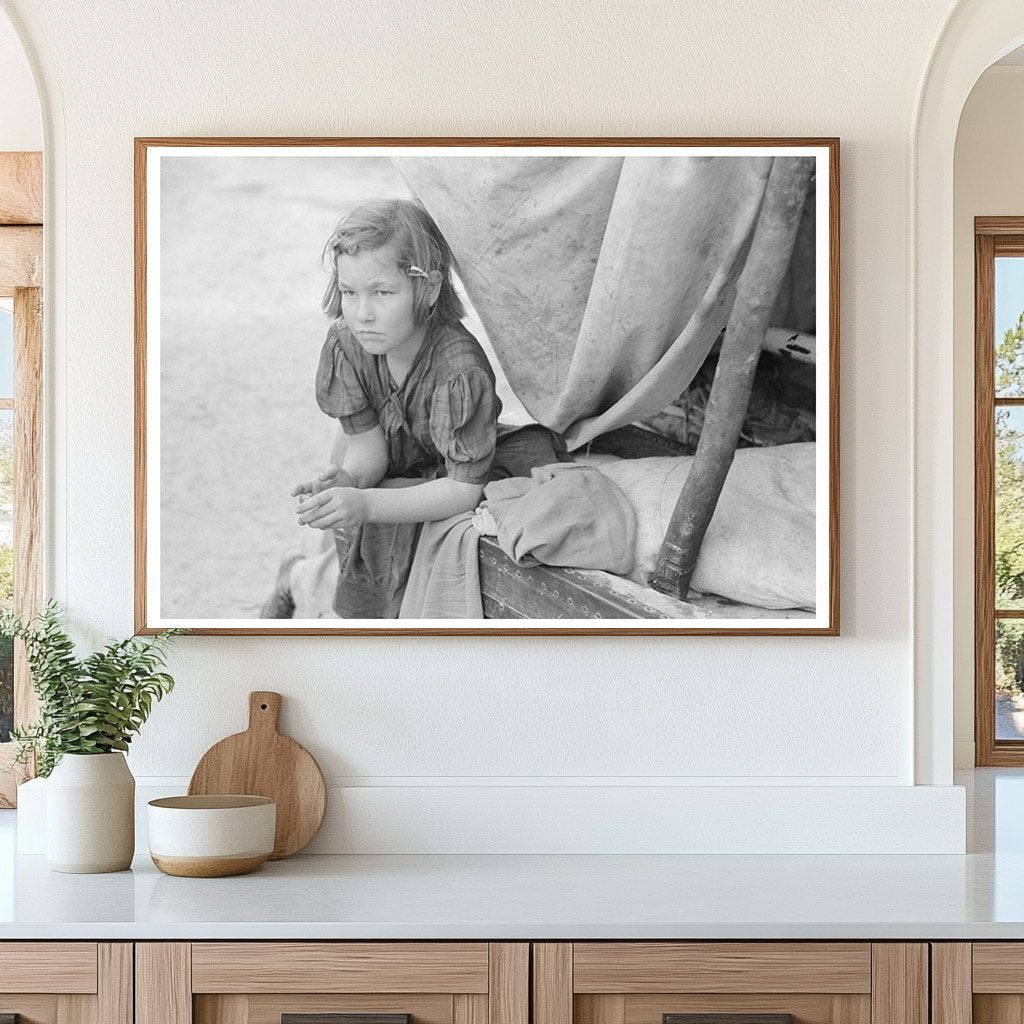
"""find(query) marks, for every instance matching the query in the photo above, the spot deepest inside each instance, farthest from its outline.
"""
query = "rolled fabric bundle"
(564, 514)
(760, 546)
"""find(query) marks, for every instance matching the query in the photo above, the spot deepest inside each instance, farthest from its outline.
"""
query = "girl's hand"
(332, 476)
(333, 508)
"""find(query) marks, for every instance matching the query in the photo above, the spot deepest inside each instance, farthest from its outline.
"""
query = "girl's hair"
(417, 244)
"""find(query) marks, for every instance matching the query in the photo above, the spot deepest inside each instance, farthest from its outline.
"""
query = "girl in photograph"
(414, 396)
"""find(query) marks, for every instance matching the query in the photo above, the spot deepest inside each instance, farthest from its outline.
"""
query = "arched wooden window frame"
(21, 278)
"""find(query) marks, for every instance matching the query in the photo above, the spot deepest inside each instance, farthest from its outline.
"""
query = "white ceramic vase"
(90, 814)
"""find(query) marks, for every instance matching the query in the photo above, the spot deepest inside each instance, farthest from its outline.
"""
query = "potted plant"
(89, 710)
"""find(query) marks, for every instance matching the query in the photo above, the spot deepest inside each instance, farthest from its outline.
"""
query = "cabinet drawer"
(65, 967)
(332, 983)
(340, 967)
(66, 982)
(730, 983)
(633, 967)
(998, 968)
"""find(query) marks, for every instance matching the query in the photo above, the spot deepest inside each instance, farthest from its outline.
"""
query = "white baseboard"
(526, 819)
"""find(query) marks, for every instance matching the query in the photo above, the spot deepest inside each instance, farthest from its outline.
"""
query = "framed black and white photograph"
(493, 386)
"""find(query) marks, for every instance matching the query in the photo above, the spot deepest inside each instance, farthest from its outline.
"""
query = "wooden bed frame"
(513, 591)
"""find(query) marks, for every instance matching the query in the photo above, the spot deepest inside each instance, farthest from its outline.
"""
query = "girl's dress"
(442, 421)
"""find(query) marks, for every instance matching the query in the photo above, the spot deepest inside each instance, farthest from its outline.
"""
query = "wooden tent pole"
(756, 293)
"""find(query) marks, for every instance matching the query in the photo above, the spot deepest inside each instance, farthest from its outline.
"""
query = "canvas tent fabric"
(602, 281)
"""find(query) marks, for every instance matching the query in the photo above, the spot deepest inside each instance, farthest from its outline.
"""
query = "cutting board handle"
(264, 710)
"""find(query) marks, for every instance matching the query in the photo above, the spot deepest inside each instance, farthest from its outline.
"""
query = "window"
(999, 490)
(20, 501)
(6, 510)
(21, 251)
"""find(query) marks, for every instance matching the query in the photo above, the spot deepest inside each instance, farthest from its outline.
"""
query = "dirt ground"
(1009, 717)
(241, 331)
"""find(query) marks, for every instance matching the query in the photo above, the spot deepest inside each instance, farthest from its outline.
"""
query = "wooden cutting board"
(262, 762)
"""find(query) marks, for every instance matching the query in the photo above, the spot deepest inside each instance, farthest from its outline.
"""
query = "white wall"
(987, 182)
(20, 125)
(408, 713)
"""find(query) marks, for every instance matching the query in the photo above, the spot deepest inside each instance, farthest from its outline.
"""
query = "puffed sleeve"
(464, 425)
(339, 392)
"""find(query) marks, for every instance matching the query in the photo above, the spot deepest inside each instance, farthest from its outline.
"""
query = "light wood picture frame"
(567, 255)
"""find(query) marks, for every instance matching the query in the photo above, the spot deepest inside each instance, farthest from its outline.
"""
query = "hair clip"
(415, 271)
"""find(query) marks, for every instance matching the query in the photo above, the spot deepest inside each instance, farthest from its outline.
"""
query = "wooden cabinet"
(654, 982)
(66, 982)
(264, 982)
(979, 982)
(512, 982)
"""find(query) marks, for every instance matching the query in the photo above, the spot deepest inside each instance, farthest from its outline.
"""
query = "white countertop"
(496, 897)
(976, 896)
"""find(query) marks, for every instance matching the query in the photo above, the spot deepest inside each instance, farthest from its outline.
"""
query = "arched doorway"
(977, 33)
